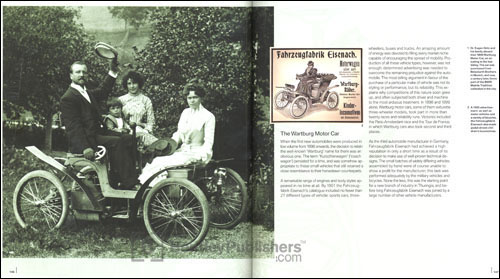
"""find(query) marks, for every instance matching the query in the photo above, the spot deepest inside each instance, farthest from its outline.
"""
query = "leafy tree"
(212, 45)
(262, 39)
(134, 16)
(40, 44)
(262, 176)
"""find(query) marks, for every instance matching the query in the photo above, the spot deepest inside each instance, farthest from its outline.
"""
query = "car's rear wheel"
(281, 100)
(176, 214)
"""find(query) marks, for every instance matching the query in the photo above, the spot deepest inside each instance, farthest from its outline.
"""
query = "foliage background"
(39, 45)
(215, 46)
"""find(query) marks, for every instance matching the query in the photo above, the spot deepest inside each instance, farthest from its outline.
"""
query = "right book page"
(386, 155)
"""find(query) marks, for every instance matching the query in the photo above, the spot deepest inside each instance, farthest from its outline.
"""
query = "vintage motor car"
(177, 204)
(301, 101)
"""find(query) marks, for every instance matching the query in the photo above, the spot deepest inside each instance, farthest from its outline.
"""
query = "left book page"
(190, 61)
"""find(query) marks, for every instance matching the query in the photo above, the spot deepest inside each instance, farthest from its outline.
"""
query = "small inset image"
(316, 85)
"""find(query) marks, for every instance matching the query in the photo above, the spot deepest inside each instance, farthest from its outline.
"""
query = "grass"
(120, 239)
(110, 238)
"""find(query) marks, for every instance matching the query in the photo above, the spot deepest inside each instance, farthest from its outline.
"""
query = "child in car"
(114, 121)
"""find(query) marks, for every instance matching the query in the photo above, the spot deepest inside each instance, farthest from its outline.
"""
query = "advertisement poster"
(316, 85)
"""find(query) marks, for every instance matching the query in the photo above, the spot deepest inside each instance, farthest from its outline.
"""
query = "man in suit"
(82, 117)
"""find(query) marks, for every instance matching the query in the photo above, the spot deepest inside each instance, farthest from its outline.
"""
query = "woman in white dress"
(195, 132)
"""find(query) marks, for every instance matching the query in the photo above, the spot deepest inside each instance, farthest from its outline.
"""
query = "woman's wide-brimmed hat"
(165, 146)
(105, 51)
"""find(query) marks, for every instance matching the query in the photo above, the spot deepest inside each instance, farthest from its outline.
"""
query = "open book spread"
(250, 139)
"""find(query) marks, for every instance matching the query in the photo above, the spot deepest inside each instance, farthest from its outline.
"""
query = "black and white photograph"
(136, 132)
